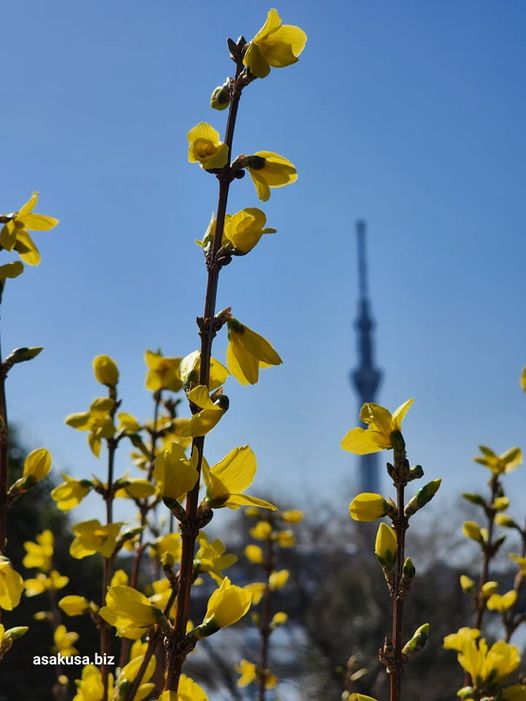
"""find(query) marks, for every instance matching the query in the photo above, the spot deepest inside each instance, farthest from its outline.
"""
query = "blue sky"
(409, 114)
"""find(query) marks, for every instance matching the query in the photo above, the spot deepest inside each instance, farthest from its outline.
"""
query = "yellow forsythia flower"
(205, 146)
(499, 464)
(256, 591)
(39, 554)
(466, 583)
(489, 588)
(97, 421)
(292, 516)
(119, 577)
(279, 619)
(226, 606)
(268, 169)
(261, 531)
(247, 352)
(163, 372)
(457, 641)
(381, 425)
(502, 602)
(360, 697)
(523, 380)
(210, 412)
(105, 370)
(385, 545)
(368, 506)
(249, 674)
(519, 561)
(174, 473)
(483, 662)
(129, 611)
(71, 492)
(285, 539)
(129, 672)
(278, 579)
(92, 537)
(42, 582)
(190, 366)
(37, 465)
(64, 641)
(212, 557)
(11, 585)
(15, 235)
(74, 605)
(135, 488)
(244, 229)
(472, 530)
(90, 686)
(227, 481)
(254, 554)
(188, 691)
(275, 45)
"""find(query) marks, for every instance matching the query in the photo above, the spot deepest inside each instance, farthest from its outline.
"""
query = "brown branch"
(396, 667)
(190, 527)
(266, 617)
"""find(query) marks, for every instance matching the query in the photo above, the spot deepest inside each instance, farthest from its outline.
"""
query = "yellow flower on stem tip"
(64, 641)
(248, 672)
(385, 546)
(73, 605)
(92, 537)
(278, 579)
(174, 473)
(227, 481)
(37, 465)
(163, 372)
(489, 588)
(70, 493)
(129, 611)
(482, 662)
(205, 147)
(11, 585)
(188, 691)
(39, 554)
(499, 464)
(105, 370)
(457, 641)
(256, 591)
(381, 425)
(226, 606)
(292, 516)
(247, 352)
(466, 583)
(7, 637)
(519, 561)
(129, 672)
(97, 421)
(254, 554)
(90, 687)
(15, 233)
(42, 582)
(285, 539)
(276, 44)
(190, 367)
(134, 488)
(212, 557)
(502, 602)
(261, 531)
(244, 229)
(368, 506)
(267, 169)
(211, 410)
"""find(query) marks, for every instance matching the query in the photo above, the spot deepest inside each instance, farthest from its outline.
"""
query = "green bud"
(220, 98)
(408, 569)
(474, 498)
(418, 640)
(21, 355)
(422, 497)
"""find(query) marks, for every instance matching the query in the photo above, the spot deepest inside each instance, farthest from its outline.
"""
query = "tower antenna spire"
(366, 378)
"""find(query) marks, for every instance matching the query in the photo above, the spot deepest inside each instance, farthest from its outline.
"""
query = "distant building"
(366, 378)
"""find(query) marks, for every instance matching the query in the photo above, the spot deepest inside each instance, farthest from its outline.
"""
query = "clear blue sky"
(410, 114)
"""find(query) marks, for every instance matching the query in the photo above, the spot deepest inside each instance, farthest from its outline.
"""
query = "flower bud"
(418, 640)
(505, 521)
(73, 605)
(422, 497)
(466, 583)
(220, 98)
(105, 370)
(471, 529)
(385, 546)
(489, 588)
(368, 507)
